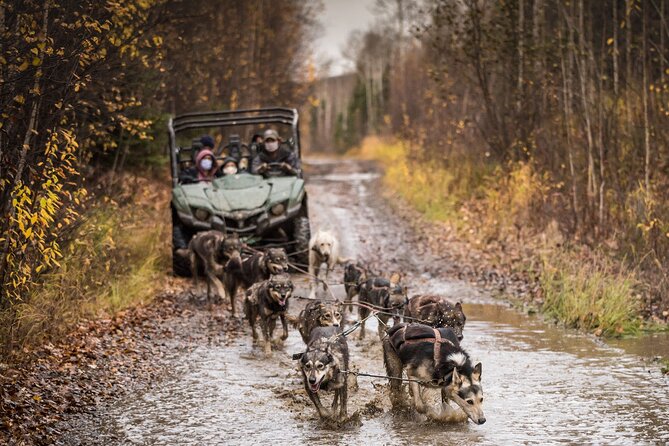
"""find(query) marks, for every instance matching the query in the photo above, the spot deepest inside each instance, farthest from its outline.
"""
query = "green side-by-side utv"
(263, 211)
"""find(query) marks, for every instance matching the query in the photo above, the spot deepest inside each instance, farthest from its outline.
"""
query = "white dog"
(323, 248)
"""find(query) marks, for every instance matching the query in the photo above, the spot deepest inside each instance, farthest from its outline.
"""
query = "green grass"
(589, 296)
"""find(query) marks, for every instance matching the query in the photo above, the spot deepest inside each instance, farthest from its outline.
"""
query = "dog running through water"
(322, 365)
(434, 357)
(436, 312)
(319, 314)
(268, 300)
(211, 250)
(355, 275)
(385, 294)
(253, 269)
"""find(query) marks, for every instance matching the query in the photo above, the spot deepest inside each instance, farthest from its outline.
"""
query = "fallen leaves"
(98, 361)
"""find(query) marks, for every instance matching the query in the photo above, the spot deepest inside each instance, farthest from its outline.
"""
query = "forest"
(522, 123)
(528, 119)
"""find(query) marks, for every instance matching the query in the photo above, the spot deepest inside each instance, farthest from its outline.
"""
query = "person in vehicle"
(275, 156)
(205, 168)
(230, 166)
(207, 142)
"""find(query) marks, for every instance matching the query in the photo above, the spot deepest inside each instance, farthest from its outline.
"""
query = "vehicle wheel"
(180, 238)
(301, 236)
(180, 264)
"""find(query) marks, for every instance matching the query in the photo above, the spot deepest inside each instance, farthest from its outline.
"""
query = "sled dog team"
(426, 345)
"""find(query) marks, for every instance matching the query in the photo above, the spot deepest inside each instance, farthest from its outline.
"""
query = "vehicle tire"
(301, 236)
(180, 239)
(180, 265)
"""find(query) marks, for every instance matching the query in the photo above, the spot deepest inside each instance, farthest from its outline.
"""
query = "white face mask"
(206, 164)
(230, 170)
(272, 146)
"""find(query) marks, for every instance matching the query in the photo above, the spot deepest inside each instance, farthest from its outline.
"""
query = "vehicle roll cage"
(230, 118)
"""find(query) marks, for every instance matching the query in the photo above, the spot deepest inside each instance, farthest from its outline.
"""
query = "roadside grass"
(116, 259)
(435, 191)
(589, 295)
(483, 203)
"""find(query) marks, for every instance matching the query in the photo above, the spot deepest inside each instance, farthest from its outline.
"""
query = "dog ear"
(458, 306)
(456, 379)
(297, 356)
(395, 277)
(476, 374)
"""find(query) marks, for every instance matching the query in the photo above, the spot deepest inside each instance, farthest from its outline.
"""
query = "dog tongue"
(316, 387)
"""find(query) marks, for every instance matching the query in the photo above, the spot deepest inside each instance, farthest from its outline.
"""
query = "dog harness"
(437, 340)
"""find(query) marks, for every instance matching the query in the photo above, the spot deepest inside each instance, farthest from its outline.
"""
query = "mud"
(542, 384)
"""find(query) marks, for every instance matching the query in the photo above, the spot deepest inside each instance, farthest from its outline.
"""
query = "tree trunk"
(616, 75)
(644, 97)
(567, 68)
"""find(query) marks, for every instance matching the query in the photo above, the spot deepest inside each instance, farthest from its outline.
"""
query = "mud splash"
(542, 384)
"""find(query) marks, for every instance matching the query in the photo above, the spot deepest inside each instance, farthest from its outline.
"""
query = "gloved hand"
(287, 168)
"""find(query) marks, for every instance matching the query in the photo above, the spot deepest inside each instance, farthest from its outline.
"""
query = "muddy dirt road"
(542, 384)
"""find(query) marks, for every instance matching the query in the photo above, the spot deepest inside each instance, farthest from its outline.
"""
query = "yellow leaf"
(609, 41)
(19, 98)
(24, 66)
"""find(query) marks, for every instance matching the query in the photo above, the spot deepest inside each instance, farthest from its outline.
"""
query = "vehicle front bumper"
(241, 222)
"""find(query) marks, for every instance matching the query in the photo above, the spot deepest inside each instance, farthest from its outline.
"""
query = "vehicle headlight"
(278, 209)
(201, 214)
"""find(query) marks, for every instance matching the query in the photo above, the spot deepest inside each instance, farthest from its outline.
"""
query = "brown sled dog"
(355, 275)
(323, 366)
(253, 269)
(319, 314)
(268, 300)
(436, 311)
(382, 293)
(210, 251)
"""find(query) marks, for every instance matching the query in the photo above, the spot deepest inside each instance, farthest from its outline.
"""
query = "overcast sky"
(339, 18)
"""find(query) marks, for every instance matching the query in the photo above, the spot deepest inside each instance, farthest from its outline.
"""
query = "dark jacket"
(282, 155)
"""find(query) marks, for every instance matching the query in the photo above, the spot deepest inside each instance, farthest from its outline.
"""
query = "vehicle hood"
(237, 192)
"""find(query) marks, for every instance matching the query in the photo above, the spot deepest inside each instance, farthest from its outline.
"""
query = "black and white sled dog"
(210, 251)
(433, 356)
(319, 314)
(268, 300)
(257, 267)
(355, 275)
(323, 366)
(381, 293)
(323, 249)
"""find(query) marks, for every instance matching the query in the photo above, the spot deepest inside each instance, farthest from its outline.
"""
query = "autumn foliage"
(569, 95)
(85, 86)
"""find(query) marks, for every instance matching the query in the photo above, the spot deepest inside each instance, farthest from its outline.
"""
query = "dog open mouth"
(315, 387)
(275, 268)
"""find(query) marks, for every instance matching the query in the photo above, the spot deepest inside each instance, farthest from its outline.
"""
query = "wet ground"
(542, 384)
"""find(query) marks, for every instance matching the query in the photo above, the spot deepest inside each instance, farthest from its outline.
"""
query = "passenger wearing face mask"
(275, 158)
(229, 166)
(205, 168)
